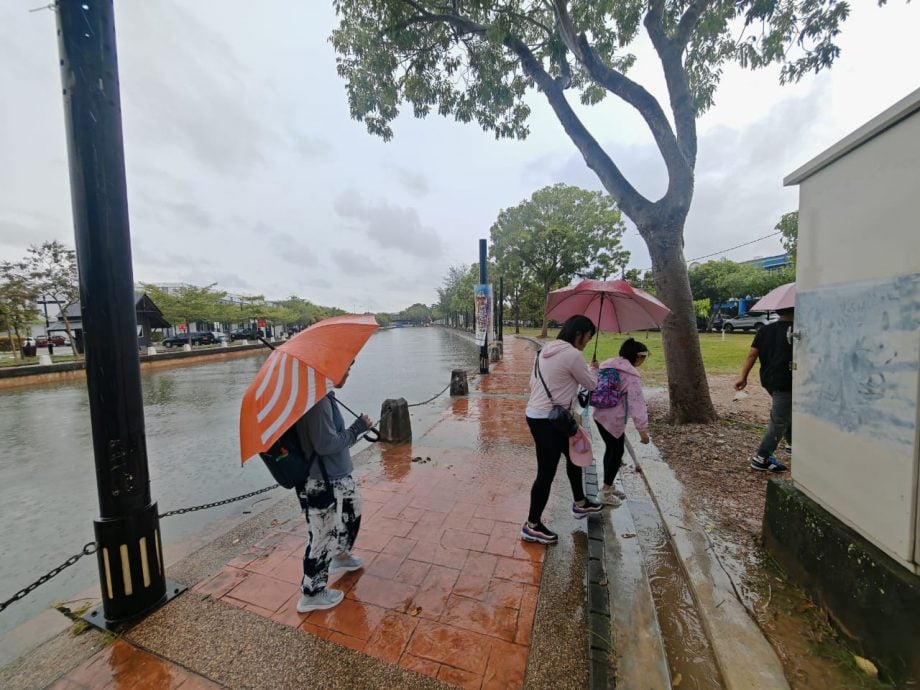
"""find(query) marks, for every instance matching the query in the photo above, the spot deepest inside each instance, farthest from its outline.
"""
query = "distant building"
(770, 263)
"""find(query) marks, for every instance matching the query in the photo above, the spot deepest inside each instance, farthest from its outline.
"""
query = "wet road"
(48, 491)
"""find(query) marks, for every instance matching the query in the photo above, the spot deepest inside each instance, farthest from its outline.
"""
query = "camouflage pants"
(333, 520)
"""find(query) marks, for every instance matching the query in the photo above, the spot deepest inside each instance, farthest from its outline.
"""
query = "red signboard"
(261, 323)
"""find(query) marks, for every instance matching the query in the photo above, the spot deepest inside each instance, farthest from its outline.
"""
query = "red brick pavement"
(448, 589)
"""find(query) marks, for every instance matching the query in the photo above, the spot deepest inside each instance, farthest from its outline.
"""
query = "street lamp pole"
(129, 544)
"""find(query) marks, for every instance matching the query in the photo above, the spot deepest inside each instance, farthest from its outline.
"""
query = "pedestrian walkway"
(448, 588)
(448, 596)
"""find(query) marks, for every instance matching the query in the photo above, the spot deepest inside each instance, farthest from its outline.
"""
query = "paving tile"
(504, 593)
(262, 591)
(528, 551)
(431, 518)
(461, 539)
(433, 503)
(424, 666)
(480, 525)
(426, 533)
(439, 555)
(384, 593)
(392, 526)
(526, 615)
(370, 540)
(459, 678)
(347, 641)
(501, 545)
(462, 511)
(446, 644)
(506, 668)
(264, 565)
(412, 572)
(265, 613)
(434, 592)
(316, 630)
(527, 572)
(400, 546)
(353, 618)
(480, 564)
(288, 614)
(384, 565)
(472, 586)
(411, 514)
(121, 664)
(221, 583)
(480, 617)
(390, 638)
(393, 506)
(289, 570)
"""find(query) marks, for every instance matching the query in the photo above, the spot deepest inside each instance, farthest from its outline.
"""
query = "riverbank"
(36, 374)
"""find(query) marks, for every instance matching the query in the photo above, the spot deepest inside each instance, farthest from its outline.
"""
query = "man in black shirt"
(773, 346)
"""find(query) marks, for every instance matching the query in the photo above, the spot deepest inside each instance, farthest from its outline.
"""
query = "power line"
(723, 251)
(772, 234)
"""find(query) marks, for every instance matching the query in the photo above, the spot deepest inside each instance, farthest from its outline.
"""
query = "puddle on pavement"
(690, 657)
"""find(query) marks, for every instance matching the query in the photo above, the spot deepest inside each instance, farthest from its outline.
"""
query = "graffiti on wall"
(860, 354)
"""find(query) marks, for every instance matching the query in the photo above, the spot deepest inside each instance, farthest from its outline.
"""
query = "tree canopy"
(788, 225)
(475, 60)
(558, 233)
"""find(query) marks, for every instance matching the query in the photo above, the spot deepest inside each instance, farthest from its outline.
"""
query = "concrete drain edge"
(598, 604)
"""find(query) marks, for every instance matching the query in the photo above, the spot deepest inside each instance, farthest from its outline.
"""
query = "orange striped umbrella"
(297, 375)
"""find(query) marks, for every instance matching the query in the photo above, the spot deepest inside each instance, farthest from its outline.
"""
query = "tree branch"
(671, 54)
(629, 199)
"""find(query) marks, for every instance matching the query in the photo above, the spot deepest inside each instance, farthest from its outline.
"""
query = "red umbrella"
(296, 376)
(782, 297)
(613, 305)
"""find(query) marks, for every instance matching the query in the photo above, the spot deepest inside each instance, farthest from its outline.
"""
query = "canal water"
(48, 494)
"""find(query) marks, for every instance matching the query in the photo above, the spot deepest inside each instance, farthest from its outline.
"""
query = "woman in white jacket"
(611, 421)
(563, 368)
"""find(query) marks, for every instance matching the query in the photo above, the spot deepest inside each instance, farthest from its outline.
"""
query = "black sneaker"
(581, 512)
(771, 464)
(539, 533)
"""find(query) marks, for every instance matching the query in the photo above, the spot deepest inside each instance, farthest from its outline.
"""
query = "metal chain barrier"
(182, 511)
(88, 548)
(443, 390)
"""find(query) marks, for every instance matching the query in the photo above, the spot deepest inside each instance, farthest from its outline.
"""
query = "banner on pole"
(482, 298)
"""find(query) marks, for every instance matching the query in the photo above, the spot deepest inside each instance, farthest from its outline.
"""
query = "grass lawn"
(719, 356)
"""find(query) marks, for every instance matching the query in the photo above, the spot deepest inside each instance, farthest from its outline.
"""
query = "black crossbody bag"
(560, 417)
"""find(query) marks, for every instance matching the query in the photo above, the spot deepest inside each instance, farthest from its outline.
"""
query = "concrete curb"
(745, 657)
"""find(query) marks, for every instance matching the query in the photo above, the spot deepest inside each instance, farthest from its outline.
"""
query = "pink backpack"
(609, 389)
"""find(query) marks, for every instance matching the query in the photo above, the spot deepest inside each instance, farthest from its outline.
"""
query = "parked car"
(56, 340)
(246, 334)
(197, 337)
(751, 320)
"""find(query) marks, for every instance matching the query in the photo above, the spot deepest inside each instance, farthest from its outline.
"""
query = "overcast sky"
(245, 169)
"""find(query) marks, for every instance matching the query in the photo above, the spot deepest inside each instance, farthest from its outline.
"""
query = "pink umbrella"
(613, 305)
(782, 297)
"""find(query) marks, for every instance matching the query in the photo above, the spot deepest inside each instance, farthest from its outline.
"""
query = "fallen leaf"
(415, 611)
(676, 681)
(273, 523)
(627, 535)
(866, 666)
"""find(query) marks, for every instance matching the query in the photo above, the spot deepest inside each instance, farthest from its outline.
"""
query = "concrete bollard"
(458, 383)
(394, 425)
(493, 353)
(151, 350)
(224, 343)
(44, 360)
(186, 348)
(244, 342)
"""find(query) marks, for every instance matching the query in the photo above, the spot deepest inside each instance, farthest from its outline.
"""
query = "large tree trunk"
(687, 385)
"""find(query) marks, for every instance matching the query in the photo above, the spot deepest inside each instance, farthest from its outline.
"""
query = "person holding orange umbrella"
(293, 391)
(329, 499)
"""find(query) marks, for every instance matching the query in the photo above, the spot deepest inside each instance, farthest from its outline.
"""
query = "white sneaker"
(610, 496)
(345, 562)
(326, 599)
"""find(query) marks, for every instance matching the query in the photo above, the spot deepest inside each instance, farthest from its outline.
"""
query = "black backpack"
(287, 462)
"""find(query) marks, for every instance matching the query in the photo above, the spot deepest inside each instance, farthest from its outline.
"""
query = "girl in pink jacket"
(611, 421)
(561, 366)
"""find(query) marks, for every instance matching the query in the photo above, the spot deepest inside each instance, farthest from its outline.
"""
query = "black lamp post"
(129, 544)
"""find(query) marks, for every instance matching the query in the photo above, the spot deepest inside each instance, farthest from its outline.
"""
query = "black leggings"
(550, 445)
(613, 453)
